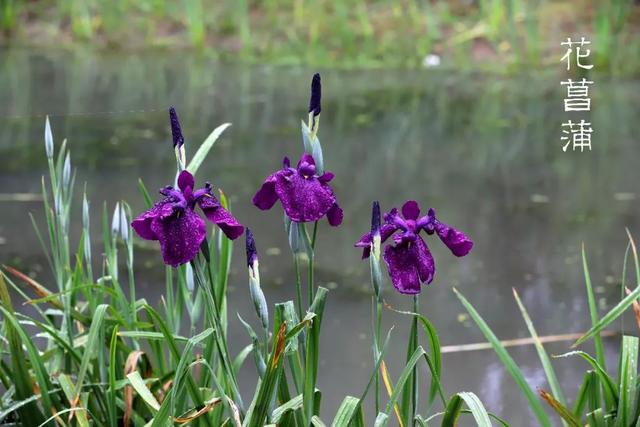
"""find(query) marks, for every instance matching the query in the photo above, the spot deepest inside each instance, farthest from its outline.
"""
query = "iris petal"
(186, 180)
(335, 215)
(365, 241)
(456, 241)
(411, 210)
(142, 223)
(220, 216)
(409, 265)
(180, 236)
(303, 199)
(266, 197)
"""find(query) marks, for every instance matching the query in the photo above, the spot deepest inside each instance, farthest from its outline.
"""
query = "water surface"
(483, 150)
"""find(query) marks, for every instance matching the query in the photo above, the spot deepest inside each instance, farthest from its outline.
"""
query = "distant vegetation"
(500, 35)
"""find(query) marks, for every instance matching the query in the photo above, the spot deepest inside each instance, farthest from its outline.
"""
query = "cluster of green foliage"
(497, 34)
(92, 353)
(603, 399)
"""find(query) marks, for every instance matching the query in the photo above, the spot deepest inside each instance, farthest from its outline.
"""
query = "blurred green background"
(501, 35)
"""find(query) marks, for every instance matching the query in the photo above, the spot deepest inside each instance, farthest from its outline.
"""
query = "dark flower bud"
(252, 253)
(375, 218)
(316, 95)
(176, 131)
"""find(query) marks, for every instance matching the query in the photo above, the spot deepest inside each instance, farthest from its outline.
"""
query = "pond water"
(485, 151)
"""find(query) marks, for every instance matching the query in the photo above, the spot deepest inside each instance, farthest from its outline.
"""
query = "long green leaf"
(205, 147)
(542, 354)
(346, 411)
(143, 391)
(582, 398)
(383, 418)
(593, 312)
(182, 368)
(42, 376)
(628, 381)
(29, 412)
(508, 362)
(610, 391)
(257, 414)
(92, 345)
(611, 316)
(111, 396)
(292, 405)
(454, 409)
(312, 352)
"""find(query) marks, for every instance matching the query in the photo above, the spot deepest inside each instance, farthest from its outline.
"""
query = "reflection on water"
(483, 151)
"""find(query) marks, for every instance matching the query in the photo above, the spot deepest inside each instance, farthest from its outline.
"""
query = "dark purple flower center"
(306, 169)
(182, 200)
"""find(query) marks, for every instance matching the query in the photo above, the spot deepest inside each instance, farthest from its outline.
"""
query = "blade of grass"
(91, 346)
(593, 311)
(312, 352)
(454, 409)
(205, 147)
(611, 316)
(381, 421)
(542, 354)
(29, 413)
(610, 392)
(434, 344)
(628, 381)
(509, 364)
(143, 391)
(346, 411)
(582, 397)
(111, 393)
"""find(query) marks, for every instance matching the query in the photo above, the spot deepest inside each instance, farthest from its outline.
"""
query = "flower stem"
(414, 376)
(377, 323)
(311, 288)
(296, 266)
(219, 339)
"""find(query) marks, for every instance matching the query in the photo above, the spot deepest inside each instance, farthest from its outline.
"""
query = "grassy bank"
(487, 34)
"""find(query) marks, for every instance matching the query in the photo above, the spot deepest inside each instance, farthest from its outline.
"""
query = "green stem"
(219, 338)
(296, 266)
(378, 325)
(310, 287)
(377, 321)
(414, 376)
(311, 292)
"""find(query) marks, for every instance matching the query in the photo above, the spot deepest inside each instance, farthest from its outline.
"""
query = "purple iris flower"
(305, 196)
(409, 260)
(174, 223)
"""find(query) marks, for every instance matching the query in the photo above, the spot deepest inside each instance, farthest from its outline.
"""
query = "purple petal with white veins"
(180, 236)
